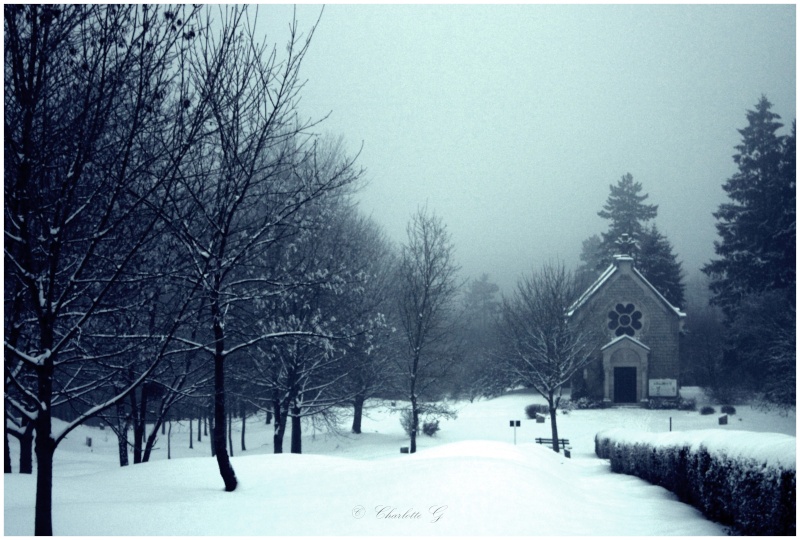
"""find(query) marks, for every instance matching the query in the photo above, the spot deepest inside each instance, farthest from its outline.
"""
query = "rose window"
(625, 320)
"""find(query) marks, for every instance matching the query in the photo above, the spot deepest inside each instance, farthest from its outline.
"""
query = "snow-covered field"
(468, 480)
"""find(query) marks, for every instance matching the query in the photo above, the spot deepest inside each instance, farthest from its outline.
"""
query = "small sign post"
(515, 425)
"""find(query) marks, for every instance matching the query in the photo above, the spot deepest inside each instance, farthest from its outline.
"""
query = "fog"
(511, 122)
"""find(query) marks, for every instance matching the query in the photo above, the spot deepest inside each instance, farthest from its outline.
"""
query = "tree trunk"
(169, 441)
(26, 450)
(122, 433)
(230, 431)
(358, 410)
(244, 418)
(139, 424)
(414, 424)
(151, 440)
(280, 428)
(45, 446)
(414, 404)
(210, 420)
(44, 482)
(269, 417)
(554, 427)
(122, 450)
(7, 455)
(223, 461)
(191, 435)
(297, 432)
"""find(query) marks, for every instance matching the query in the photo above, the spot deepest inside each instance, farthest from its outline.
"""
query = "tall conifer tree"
(657, 262)
(757, 226)
(627, 212)
(754, 278)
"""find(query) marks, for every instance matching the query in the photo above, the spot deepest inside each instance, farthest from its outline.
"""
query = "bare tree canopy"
(542, 348)
(427, 289)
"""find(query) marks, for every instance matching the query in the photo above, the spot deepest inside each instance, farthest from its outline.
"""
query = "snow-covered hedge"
(739, 478)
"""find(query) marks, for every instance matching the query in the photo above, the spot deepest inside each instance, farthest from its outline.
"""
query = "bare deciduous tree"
(93, 133)
(427, 290)
(541, 348)
(256, 169)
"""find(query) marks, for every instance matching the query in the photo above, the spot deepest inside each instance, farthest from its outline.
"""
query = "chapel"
(637, 357)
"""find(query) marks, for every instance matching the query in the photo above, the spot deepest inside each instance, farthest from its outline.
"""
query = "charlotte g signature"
(434, 513)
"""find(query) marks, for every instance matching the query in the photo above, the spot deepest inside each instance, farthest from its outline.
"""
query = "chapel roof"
(606, 276)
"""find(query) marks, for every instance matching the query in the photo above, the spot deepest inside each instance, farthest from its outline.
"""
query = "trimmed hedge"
(753, 497)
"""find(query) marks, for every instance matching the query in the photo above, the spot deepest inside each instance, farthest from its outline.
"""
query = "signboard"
(515, 425)
(663, 388)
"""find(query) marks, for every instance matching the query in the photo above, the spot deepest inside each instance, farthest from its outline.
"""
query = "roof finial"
(626, 245)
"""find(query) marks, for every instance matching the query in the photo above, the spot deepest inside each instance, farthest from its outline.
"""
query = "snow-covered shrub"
(662, 403)
(429, 415)
(430, 427)
(728, 409)
(707, 409)
(742, 479)
(406, 421)
(536, 408)
(687, 404)
(566, 405)
(671, 403)
(585, 403)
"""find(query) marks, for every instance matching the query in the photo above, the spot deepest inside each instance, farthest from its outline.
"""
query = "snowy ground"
(468, 480)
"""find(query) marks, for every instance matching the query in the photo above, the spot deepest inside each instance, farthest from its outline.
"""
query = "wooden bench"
(561, 442)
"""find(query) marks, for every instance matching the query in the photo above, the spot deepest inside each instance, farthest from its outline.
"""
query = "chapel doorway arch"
(625, 365)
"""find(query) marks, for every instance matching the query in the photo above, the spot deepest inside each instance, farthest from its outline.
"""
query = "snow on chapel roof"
(606, 275)
(624, 337)
(593, 289)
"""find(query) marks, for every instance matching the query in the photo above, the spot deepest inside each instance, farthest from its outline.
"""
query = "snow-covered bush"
(536, 408)
(672, 403)
(742, 479)
(687, 404)
(430, 428)
(429, 418)
(406, 421)
(707, 409)
(583, 403)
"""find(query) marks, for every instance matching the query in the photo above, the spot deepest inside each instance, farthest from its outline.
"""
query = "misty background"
(512, 121)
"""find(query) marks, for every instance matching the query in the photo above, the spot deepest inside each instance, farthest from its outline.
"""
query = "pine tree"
(627, 213)
(753, 280)
(593, 259)
(657, 262)
(757, 227)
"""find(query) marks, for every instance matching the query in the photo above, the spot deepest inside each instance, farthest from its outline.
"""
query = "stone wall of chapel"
(660, 327)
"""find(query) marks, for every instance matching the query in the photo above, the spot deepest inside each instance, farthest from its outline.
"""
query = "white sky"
(512, 121)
